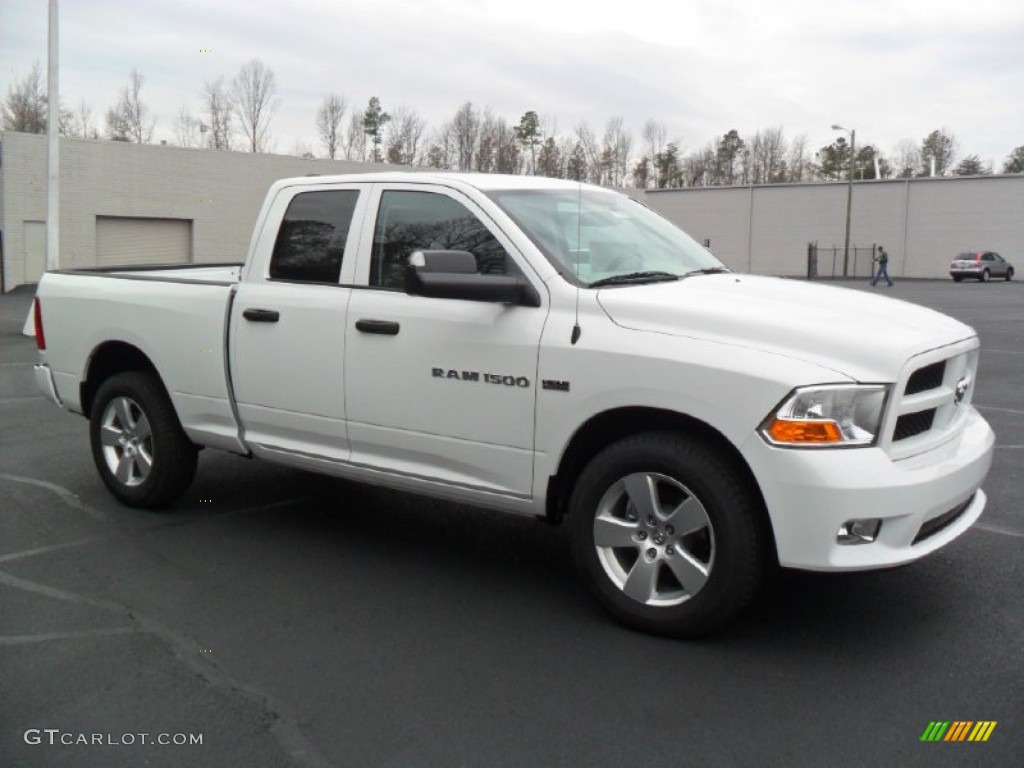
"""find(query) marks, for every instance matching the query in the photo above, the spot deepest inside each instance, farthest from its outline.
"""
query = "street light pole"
(849, 195)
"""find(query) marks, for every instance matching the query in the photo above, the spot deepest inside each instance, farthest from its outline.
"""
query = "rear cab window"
(310, 244)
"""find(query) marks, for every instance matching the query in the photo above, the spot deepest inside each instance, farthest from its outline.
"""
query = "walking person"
(883, 267)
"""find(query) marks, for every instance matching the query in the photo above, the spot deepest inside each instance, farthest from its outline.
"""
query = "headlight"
(841, 415)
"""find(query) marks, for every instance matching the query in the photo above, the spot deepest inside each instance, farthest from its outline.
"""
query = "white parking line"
(65, 495)
(24, 639)
(999, 529)
(51, 548)
(1000, 410)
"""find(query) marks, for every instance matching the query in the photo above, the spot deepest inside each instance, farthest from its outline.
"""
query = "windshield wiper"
(635, 277)
(707, 271)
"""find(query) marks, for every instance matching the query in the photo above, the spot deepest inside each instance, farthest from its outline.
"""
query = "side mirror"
(453, 275)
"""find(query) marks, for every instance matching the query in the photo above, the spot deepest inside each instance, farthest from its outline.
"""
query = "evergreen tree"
(374, 120)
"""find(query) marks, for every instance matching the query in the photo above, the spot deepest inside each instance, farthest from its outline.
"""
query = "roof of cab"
(481, 181)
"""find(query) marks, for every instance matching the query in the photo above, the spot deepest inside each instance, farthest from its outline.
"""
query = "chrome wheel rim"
(127, 441)
(654, 539)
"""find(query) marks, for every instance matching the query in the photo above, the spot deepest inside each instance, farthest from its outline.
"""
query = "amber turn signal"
(804, 432)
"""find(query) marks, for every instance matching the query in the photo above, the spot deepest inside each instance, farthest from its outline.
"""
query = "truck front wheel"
(667, 534)
(142, 454)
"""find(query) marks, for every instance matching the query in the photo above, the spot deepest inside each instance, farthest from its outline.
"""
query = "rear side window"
(414, 221)
(311, 242)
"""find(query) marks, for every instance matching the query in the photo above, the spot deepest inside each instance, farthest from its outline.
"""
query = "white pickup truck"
(545, 348)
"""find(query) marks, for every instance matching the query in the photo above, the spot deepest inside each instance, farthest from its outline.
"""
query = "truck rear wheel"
(667, 535)
(140, 450)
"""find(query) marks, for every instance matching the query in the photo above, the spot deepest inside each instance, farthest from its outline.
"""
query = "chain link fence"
(826, 262)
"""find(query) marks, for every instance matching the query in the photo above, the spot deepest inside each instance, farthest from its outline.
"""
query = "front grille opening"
(946, 519)
(929, 377)
(910, 424)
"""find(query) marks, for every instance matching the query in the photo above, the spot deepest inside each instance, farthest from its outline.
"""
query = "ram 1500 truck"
(545, 348)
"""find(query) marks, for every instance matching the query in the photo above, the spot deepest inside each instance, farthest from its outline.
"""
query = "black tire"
(985, 275)
(1009, 274)
(140, 450)
(957, 278)
(729, 537)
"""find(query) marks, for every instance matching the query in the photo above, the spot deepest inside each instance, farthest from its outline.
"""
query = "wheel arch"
(106, 360)
(608, 427)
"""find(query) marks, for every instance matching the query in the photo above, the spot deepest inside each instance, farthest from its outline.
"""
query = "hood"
(864, 336)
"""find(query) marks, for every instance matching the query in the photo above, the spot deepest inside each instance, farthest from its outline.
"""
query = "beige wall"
(922, 223)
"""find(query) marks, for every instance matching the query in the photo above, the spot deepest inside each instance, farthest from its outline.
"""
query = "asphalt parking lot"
(291, 620)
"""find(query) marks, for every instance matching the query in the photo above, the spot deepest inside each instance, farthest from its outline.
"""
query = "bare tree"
(767, 156)
(798, 160)
(354, 146)
(82, 124)
(508, 156)
(217, 106)
(117, 124)
(587, 142)
(328, 123)
(487, 144)
(465, 128)
(128, 119)
(618, 143)
(302, 149)
(403, 144)
(906, 158)
(655, 136)
(698, 167)
(252, 95)
(186, 128)
(24, 109)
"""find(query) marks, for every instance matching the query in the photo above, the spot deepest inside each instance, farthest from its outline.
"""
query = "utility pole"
(849, 195)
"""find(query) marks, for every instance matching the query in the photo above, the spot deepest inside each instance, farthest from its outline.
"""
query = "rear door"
(443, 389)
(288, 323)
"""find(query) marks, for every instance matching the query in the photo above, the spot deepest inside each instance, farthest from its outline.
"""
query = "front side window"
(310, 245)
(427, 221)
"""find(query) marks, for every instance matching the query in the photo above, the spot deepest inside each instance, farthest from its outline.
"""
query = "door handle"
(262, 315)
(385, 327)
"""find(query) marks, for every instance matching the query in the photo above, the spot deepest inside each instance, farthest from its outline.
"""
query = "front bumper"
(44, 380)
(811, 493)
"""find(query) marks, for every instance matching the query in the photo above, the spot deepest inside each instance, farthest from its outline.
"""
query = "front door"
(440, 388)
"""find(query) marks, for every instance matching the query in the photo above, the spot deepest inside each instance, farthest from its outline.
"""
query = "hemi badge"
(558, 386)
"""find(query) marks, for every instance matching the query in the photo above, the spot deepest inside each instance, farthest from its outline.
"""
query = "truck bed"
(176, 315)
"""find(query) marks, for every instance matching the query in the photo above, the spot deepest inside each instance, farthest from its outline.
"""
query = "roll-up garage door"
(121, 241)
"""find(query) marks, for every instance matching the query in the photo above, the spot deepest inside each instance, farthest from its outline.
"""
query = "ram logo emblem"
(961, 390)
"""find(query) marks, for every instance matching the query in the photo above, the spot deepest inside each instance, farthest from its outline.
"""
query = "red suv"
(982, 265)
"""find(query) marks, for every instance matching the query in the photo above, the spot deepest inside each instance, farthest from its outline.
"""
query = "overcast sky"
(891, 69)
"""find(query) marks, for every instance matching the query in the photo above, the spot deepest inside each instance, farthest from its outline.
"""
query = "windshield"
(596, 236)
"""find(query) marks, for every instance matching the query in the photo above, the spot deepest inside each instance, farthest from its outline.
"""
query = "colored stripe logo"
(958, 730)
